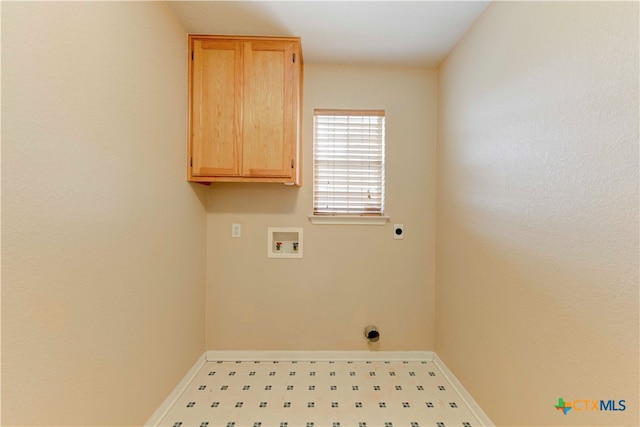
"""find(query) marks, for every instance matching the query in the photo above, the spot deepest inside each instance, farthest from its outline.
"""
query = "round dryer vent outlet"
(371, 333)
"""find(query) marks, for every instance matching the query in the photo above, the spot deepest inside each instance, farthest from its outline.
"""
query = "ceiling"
(401, 33)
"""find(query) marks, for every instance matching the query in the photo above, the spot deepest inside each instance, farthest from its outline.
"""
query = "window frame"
(373, 218)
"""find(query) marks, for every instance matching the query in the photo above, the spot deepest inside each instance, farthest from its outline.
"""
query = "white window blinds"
(348, 147)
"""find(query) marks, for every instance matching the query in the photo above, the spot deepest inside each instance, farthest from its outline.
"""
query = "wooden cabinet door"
(216, 108)
(270, 108)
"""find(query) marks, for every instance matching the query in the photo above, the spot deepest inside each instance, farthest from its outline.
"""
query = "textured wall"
(537, 211)
(350, 275)
(103, 245)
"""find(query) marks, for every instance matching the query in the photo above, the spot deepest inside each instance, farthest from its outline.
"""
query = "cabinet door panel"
(268, 122)
(216, 108)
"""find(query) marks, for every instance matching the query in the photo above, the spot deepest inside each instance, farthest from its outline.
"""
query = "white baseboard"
(475, 409)
(168, 403)
(319, 355)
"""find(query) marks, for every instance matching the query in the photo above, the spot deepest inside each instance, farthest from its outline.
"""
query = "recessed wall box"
(284, 242)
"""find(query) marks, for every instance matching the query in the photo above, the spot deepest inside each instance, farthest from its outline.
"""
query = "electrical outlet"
(398, 231)
(236, 230)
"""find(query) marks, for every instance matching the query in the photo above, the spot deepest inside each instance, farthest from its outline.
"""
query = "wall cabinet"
(244, 109)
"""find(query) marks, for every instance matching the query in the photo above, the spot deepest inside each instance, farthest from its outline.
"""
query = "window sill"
(347, 220)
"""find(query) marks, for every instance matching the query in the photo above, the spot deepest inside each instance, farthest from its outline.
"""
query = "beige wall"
(103, 248)
(537, 207)
(350, 276)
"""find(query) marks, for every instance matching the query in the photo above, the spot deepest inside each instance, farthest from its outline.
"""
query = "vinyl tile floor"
(319, 394)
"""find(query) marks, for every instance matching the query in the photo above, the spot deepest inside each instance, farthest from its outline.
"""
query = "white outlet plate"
(398, 231)
(236, 230)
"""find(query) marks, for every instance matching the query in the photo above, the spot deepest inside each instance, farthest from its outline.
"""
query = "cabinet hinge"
(294, 58)
(192, 55)
(191, 162)
(291, 163)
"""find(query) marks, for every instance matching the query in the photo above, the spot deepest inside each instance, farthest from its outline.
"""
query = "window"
(348, 163)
